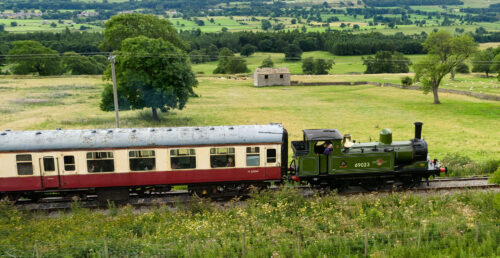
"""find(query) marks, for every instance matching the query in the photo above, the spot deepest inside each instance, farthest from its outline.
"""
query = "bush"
(462, 68)
(406, 81)
(461, 165)
(268, 62)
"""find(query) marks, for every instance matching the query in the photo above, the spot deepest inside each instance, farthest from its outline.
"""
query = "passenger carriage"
(113, 162)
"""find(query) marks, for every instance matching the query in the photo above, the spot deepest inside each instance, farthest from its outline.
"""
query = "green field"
(343, 64)
(461, 124)
(271, 224)
(33, 25)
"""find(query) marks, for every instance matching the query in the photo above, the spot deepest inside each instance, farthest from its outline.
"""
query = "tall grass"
(273, 223)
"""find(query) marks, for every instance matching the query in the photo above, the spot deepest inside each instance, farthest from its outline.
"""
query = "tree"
(248, 50)
(387, 62)
(28, 56)
(229, 64)
(316, 66)
(483, 60)
(150, 73)
(293, 53)
(322, 66)
(265, 24)
(445, 53)
(4, 50)
(79, 64)
(123, 26)
(308, 65)
(496, 65)
(268, 62)
(462, 68)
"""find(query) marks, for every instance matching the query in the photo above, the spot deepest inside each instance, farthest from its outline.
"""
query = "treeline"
(66, 41)
(386, 3)
(336, 42)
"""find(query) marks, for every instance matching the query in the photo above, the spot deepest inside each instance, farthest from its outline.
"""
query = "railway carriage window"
(48, 164)
(24, 164)
(100, 162)
(69, 163)
(271, 155)
(253, 156)
(142, 160)
(221, 157)
(183, 158)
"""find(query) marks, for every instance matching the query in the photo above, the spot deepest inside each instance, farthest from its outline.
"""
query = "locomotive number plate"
(362, 165)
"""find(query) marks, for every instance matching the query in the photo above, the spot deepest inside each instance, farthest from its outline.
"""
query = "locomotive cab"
(324, 156)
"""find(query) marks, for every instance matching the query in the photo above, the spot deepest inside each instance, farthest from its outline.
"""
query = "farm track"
(183, 196)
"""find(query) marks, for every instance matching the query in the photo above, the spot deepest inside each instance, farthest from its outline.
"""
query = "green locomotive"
(326, 158)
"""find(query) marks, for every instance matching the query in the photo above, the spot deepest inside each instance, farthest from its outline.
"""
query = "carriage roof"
(139, 137)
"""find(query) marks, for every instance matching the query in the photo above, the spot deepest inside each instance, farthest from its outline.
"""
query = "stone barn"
(271, 76)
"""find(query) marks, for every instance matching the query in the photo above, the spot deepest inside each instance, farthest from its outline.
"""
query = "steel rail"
(184, 196)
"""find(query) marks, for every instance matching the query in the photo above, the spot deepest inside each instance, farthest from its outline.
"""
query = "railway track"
(183, 196)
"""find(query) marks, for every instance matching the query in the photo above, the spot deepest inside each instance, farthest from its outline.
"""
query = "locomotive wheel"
(411, 182)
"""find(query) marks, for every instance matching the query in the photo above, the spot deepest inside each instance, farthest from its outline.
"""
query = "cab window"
(183, 158)
(24, 164)
(142, 160)
(100, 162)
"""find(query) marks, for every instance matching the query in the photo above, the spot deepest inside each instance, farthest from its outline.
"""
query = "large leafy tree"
(28, 56)
(445, 53)
(483, 60)
(293, 52)
(150, 73)
(123, 26)
(387, 62)
(79, 64)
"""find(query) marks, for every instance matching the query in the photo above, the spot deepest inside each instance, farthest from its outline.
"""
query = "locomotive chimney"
(418, 130)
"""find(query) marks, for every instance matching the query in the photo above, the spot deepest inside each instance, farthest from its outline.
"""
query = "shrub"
(462, 68)
(462, 165)
(406, 81)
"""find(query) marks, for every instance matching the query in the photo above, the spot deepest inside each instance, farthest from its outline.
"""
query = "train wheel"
(13, 197)
(411, 182)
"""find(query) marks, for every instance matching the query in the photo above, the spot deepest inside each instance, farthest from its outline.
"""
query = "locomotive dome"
(138, 137)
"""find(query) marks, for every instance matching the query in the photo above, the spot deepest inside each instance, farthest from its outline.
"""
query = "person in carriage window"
(230, 162)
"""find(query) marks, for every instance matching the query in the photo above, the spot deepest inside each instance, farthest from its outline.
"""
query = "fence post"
(106, 254)
(243, 245)
(419, 236)
(298, 244)
(188, 246)
(36, 253)
(366, 244)
(477, 232)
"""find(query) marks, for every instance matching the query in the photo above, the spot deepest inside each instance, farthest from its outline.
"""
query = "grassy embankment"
(277, 224)
(461, 124)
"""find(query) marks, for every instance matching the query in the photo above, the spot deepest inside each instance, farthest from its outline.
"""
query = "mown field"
(461, 124)
(270, 224)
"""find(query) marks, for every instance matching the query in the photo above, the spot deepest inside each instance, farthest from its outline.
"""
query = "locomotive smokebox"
(418, 130)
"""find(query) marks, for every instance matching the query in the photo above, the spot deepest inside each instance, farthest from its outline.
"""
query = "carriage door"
(49, 168)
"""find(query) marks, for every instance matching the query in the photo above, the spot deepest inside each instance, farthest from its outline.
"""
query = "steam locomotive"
(211, 161)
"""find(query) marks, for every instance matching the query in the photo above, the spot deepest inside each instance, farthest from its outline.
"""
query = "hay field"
(461, 124)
